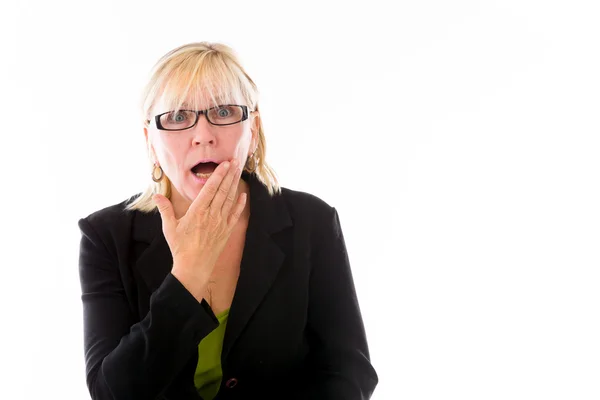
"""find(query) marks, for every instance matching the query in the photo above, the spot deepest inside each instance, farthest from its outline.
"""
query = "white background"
(457, 139)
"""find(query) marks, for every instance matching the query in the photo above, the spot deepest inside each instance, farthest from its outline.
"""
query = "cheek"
(172, 148)
(244, 141)
(241, 151)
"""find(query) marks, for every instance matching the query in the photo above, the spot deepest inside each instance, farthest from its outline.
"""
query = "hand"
(198, 238)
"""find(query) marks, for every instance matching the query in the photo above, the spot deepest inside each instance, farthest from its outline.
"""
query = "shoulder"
(315, 219)
(108, 221)
(307, 206)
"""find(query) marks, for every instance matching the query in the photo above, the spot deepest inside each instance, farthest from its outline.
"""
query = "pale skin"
(201, 220)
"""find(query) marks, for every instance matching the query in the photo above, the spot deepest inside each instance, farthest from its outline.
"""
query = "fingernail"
(226, 164)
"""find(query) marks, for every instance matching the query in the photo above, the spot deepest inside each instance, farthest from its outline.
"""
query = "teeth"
(201, 175)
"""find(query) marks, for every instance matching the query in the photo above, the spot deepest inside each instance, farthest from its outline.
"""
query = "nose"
(203, 132)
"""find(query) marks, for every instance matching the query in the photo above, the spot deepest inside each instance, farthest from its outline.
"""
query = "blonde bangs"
(199, 81)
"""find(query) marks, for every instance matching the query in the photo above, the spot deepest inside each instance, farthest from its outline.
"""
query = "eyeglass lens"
(220, 115)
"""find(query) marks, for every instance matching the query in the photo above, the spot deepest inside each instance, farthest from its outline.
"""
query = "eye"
(225, 115)
(223, 112)
(177, 120)
(177, 117)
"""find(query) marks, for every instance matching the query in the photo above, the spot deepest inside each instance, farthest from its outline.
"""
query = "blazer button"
(231, 383)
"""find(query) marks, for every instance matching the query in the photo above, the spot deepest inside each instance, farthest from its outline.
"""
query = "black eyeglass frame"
(198, 113)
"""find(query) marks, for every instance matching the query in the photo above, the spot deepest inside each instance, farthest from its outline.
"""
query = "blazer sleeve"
(340, 361)
(127, 359)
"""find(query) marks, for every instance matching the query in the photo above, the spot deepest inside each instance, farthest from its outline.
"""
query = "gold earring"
(154, 178)
(254, 162)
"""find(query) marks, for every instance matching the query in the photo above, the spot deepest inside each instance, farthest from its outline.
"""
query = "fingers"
(222, 190)
(165, 208)
(237, 211)
(202, 202)
(225, 196)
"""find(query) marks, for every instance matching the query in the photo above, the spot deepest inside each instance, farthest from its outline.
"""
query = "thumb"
(164, 207)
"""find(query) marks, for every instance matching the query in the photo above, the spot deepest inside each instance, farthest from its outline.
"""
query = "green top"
(208, 375)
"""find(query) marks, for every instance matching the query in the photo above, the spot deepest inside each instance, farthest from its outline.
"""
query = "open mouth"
(204, 169)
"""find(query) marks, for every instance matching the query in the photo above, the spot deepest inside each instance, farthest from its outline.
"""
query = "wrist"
(193, 280)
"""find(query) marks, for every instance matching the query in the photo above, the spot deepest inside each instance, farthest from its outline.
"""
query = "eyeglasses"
(221, 115)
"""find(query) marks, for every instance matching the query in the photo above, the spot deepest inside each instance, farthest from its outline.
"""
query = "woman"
(215, 282)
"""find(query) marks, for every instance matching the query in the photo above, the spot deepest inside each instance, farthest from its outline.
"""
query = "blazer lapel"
(155, 260)
(261, 258)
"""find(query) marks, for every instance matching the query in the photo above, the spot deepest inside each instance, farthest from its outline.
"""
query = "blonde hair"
(207, 74)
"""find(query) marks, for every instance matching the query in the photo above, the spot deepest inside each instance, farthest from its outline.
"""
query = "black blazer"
(294, 331)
